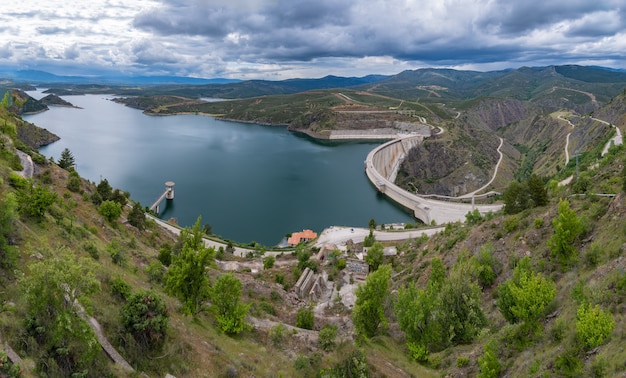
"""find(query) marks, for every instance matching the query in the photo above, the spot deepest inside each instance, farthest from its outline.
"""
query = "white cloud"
(290, 38)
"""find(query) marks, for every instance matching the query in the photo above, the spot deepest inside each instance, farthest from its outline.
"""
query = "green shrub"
(146, 317)
(538, 223)
(156, 272)
(489, 366)
(92, 250)
(277, 334)
(593, 325)
(120, 288)
(268, 262)
(511, 224)
(462, 361)
(7, 368)
(569, 364)
(327, 337)
(305, 318)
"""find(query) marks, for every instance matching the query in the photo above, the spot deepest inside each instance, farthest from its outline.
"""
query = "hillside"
(537, 290)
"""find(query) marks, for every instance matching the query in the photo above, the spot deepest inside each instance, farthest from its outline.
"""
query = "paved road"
(340, 235)
(560, 116)
(616, 140)
(493, 177)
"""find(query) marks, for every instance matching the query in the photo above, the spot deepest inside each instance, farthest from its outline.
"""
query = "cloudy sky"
(278, 39)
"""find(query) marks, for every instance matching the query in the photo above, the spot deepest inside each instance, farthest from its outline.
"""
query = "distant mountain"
(42, 77)
(525, 83)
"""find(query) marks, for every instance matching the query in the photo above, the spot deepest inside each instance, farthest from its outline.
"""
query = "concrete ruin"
(310, 286)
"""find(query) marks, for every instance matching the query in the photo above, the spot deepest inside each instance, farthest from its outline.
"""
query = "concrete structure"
(310, 285)
(358, 269)
(168, 194)
(381, 167)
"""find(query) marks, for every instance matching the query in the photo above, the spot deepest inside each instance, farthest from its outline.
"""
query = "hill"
(537, 290)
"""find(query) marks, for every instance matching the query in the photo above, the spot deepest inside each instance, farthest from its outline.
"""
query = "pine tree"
(67, 159)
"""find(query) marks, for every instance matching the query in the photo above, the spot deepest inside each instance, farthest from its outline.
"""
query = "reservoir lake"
(249, 182)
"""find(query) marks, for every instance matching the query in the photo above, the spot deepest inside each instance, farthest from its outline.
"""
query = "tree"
(52, 289)
(593, 325)
(537, 190)
(369, 240)
(136, 217)
(374, 256)
(36, 201)
(416, 312)
(145, 316)
(489, 366)
(110, 210)
(368, 313)
(372, 224)
(186, 277)
(460, 313)
(525, 296)
(104, 190)
(67, 160)
(567, 229)
(229, 311)
(516, 198)
(305, 318)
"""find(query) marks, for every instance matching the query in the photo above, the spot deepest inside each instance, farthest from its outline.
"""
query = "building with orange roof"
(299, 237)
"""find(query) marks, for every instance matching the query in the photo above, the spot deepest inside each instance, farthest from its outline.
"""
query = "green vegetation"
(186, 277)
(368, 313)
(229, 311)
(67, 160)
(145, 316)
(567, 229)
(305, 318)
(538, 292)
(593, 325)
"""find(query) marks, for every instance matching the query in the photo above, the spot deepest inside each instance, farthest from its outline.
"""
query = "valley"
(528, 281)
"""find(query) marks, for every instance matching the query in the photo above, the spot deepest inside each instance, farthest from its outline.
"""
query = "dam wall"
(381, 167)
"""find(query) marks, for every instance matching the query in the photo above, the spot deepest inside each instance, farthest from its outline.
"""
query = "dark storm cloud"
(272, 37)
(515, 17)
(303, 30)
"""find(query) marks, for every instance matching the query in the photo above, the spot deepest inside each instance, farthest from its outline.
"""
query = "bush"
(117, 256)
(268, 262)
(569, 364)
(538, 223)
(7, 368)
(305, 318)
(156, 272)
(489, 366)
(146, 317)
(462, 361)
(120, 288)
(327, 337)
(510, 224)
(110, 210)
(277, 334)
(73, 182)
(593, 325)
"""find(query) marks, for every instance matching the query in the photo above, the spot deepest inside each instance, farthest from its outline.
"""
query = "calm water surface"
(250, 182)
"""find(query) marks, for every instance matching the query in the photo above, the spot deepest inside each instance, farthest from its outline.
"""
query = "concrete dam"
(381, 167)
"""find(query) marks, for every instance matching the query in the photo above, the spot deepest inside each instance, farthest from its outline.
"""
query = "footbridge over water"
(381, 167)
(167, 194)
